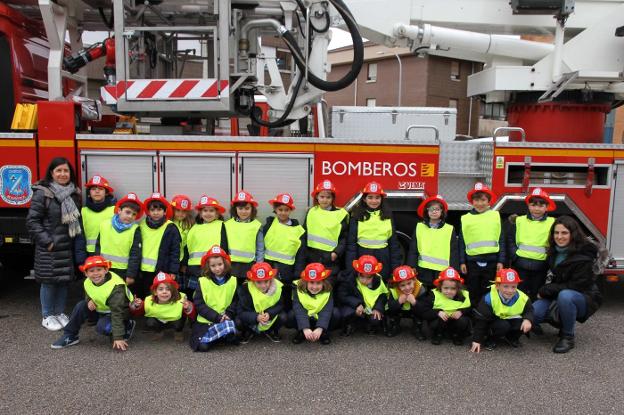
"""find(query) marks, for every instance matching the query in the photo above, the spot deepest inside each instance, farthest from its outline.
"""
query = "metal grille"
(461, 165)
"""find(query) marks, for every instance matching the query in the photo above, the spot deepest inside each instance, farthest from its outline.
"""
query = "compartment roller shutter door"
(616, 243)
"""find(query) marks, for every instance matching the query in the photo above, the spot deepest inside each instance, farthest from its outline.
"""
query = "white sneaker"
(63, 319)
(51, 323)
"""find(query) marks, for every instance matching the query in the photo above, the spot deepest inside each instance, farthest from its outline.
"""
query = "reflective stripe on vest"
(481, 232)
(242, 239)
(183, 237)
(506, 312)
(164, 312)
(441, 302)
(532, 237)
(115, 246)
(324, 228)
(313, 304)
(151, 239)
(434, 246)
(282, 242)
(370, 296)
(99, 293)
(200, 238)
(217, 297)
(394, 292)
(374, 233)
(91, 222)
(262, 302)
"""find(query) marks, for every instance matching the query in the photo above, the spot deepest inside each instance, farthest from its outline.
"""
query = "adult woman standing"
(53, 222)
(571, 281)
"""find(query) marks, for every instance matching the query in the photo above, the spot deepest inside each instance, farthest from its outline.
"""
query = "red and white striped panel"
(165, 90)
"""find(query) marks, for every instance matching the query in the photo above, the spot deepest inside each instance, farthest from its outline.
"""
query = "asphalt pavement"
(360, 374)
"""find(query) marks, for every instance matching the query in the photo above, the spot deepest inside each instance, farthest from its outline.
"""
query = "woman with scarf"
(54, 222)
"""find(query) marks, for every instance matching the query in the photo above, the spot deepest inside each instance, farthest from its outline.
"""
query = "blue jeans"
(53, 298)
(81, 313)
(572, 305)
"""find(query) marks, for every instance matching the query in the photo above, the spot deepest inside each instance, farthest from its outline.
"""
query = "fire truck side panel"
(266, 175)
(195, 174)
(56, 132)
(616, 231)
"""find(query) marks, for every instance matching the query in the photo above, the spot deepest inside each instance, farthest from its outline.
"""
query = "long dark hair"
(58, 161)
(577, 237)
(361, 210)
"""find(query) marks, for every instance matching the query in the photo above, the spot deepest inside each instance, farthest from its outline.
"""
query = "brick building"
(428, 81)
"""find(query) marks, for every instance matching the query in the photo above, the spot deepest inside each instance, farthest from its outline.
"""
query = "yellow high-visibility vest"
(441, 302)
(262, 302)
(481, 232)
(532, 237)
(151, 239)
(324, 228)
(374, 233)
(201, 238)
(91, 222)
(217, 297)
(434, 246)
(282, 242)
(242, 239)
(115, 246)
(171, 311)
(506, 312)
(99, 293)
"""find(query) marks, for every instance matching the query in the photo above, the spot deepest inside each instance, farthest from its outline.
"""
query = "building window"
(371, 75)
(371, 102)
(493, 111)
(453, 103)
(455, 75)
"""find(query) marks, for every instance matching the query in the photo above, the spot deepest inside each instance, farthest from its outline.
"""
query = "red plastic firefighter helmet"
(448, 274)
(261, 271)
(507, 276)
(436, 198)
(539, 193)
(315, 272)
(324, 185)
(95, 261)
(163, 278)
(157, 197)
(403, 273)
(373, 188)
(207, 201)
(99, 181)
(481, 188)
(215, 251)
(244, 197)
(367, 265)
(283, 199)
(130, 198)
(182, 202)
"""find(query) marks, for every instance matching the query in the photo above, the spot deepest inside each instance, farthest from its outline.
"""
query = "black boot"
(458, 340)
(436, 339)
(347, 328)
(391, 326)
(299, 337)
(564, 345)
(325, 340)
(417, 330)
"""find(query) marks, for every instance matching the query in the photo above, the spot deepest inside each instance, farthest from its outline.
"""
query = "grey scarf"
(70, 214)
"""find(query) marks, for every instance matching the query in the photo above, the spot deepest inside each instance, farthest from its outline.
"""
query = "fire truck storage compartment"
(195, 174)
(265, 175)
(616, 232)
(126, 171)
(557, 174)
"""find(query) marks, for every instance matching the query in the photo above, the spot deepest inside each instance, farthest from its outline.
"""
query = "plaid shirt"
(216, 331)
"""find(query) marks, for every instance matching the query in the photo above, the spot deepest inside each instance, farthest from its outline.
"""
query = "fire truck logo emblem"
(368, 267)
(511, 276)
(184, 204)
(402, 274)
(285, 199)
(312, 274)
(97, 179)
(203, 200)
(260, 273)
(15, 182)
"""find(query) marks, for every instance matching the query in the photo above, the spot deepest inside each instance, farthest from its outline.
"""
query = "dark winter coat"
(45, 227)
(575, 273)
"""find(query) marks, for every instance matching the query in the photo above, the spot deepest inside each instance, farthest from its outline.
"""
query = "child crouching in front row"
(448, 308)
(405, 300)
(215, 301)
(505, 313)
(313, 313)
(166, 307)
(107, 299)
(364, 297)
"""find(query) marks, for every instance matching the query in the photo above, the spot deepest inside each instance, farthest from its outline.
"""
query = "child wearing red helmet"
(326, 229)
(184, 218)
(106, 301)
(245, 239)
(504, 313)
(448, 306)
(481, 242)
(119, 239)
(161, 241)
(284, 243)
(527, 241)
(364, 297)
(99, 207)
(165, 308)
(434, 243)
(371, 231)
(313, 313)
(405, 300)
(215, 302)
(260, 306)
(207, 231)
